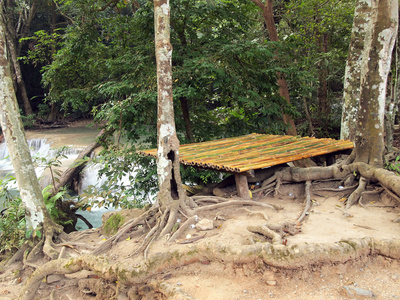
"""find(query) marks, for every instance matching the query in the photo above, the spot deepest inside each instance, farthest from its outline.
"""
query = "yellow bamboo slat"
(253, 151)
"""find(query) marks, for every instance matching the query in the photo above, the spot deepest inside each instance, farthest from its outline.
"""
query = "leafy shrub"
(12, 219)
(394, 166)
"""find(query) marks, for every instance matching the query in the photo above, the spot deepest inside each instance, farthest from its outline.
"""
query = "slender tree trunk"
(377, 57)
(268, 14)
(11, 41)
(390, 112)
(186, 118)
(323, 75)
(53, 115)
(352, 88)
(14, 134)
(27, 25)
(171, 192)
(397, 81)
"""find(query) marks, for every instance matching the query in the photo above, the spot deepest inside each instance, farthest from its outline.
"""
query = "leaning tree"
(36, 216)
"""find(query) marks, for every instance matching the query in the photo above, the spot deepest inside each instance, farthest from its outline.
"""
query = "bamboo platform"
(254, 151)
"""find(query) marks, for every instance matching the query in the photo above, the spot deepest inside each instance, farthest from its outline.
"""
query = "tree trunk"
(186, 118)
(171, 192)
(351, 93)
(377, 57)
(268, 14)
(73, 171)
(397, 81)
(390, 112)
(27, 25)
(14, 134)
(11, 41)
(323, 106)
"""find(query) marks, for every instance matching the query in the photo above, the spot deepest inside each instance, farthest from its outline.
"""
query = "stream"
(42, 143)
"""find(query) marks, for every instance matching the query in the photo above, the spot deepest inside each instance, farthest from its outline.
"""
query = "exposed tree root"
(236, 203)
(386, 178)
(165, 221)
(157, 222)
(308, 202)
(348, 188)
(268, 233)
(389, 180)
(355, 196)
(285, 228)
(277, 255)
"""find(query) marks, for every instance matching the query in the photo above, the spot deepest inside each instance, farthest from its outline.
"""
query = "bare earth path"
(367, 276)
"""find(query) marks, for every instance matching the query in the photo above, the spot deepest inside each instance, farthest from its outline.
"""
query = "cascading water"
(41, 148)
(38, 147)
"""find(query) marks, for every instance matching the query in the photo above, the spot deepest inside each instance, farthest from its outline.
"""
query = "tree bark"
(73, 171)
(377, 57)
(396, 91)
(31, 195)
(351, 93)
(390, 112)
(11, 42)
(268, 14)
(323, 106)
(186, 118)
(171, 192)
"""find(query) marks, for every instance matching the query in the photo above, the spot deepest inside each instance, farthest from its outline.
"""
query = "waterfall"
(38, 148)
(90, 174)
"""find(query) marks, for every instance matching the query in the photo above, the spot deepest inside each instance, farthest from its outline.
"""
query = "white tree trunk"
(352, 89)
(376, 61)
(14, 134)
(169, 178)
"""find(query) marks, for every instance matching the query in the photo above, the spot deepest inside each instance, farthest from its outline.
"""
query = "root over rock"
(288, 257)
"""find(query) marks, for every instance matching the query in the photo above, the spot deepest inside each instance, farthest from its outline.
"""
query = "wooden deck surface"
(253, 151)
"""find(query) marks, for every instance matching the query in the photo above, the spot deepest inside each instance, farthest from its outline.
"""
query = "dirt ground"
(366, 277)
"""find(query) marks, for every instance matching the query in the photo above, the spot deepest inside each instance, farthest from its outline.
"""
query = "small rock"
(178, 283)
(271, 282)
(244, 291)
(204, 224)
(268, 275)
(356, 291)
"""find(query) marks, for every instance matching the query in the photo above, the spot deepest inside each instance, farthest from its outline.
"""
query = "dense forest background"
(95, 59)
(239, 66)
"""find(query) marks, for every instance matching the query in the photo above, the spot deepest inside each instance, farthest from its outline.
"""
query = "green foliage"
(12, 220)
(394, 166)
(201, 177)
(27, 121)
(52, 163)
(53, 205)
(130, 180)
(112, 224)
(44, 110)
(42, 47)
(102, 64)
(316, 36)
(52, 200)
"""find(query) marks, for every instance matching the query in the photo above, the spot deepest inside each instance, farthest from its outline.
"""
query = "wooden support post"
(242, 186)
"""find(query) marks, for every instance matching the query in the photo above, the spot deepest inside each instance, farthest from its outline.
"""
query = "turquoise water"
(41, 143)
